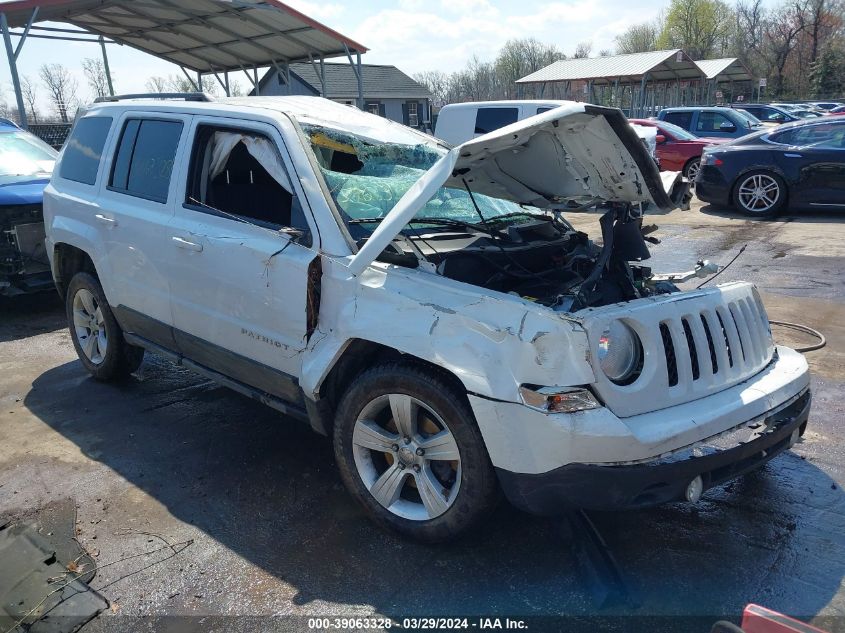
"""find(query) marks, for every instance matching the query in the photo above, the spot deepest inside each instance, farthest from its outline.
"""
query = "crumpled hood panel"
(574, 153)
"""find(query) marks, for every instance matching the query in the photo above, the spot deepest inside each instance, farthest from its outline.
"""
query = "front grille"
(695, 344)
(740, 323)
(669, 350)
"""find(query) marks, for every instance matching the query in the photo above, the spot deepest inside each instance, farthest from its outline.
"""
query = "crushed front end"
(24, 265)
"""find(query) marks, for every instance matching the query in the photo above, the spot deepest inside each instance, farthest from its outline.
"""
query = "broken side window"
(240, 173)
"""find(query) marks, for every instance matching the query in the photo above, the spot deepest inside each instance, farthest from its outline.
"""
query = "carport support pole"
(106, 65)
(360, 81)
(13, 67)
(643, 94)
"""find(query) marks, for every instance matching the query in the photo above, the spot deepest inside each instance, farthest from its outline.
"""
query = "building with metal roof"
(387, 90)
(212, 37)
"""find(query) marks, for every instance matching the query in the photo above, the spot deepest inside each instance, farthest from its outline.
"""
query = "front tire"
(97, 337)
(409, 451)
(691, 170)
(760, 193)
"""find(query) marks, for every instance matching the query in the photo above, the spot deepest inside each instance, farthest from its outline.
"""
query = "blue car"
(711, 121)
(26, 163)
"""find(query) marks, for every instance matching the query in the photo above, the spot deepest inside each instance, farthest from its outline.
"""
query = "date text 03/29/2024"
(417, 624)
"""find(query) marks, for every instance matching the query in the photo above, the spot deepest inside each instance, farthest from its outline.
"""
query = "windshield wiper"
(449, 222)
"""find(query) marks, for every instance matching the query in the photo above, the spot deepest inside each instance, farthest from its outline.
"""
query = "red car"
(677, 149)
(837, 111)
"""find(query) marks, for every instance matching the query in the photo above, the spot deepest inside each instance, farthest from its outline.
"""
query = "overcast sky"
(413, 35)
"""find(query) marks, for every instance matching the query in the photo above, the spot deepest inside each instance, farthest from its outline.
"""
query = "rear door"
(136, 206)
(715, 125)
(240, 253)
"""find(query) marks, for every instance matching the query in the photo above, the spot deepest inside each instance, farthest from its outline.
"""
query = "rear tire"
(409, 451)
(97, 337)
(760, 193)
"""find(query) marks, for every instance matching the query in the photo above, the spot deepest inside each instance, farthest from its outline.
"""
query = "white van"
(461, 122)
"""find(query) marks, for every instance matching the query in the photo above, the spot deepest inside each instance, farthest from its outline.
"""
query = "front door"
(241, 255)
(816, 162)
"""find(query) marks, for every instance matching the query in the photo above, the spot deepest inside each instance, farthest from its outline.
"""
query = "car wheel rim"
(406, 457)
(759, 193)
(89, 325)
(692, 171)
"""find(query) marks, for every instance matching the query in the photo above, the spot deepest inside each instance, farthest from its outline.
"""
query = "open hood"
(574, 153)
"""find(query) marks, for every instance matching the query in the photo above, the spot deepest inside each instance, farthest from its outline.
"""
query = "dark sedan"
(799, 165)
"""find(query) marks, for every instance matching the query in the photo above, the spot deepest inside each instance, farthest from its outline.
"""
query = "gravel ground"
(168, 457)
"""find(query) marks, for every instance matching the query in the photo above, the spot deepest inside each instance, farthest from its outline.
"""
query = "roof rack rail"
(187, 96)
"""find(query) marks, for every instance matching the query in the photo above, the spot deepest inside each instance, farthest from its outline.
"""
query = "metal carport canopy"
(725, 69)
(668, 65)
(201, 35)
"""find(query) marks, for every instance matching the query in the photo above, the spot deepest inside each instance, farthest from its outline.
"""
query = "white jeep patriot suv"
(428, 307)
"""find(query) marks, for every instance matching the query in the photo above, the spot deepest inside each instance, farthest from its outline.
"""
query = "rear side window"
(145, 157)
(84, 148)
(542, 109)
(681, 119)
(489, 119)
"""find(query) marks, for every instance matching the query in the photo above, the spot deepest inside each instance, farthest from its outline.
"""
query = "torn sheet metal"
(38, 592)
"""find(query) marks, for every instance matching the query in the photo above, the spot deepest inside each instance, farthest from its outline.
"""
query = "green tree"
(639, 38)
(826, 79)
(703, 28)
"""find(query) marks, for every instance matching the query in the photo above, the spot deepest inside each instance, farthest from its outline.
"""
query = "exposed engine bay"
(486, 241)
(22, 254)
(541, 258)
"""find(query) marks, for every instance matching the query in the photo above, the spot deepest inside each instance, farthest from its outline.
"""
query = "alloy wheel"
(89, 326)
(692, 171)
(407, 457)
(759, 193)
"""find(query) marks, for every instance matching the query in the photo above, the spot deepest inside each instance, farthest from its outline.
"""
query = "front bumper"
(665, 479)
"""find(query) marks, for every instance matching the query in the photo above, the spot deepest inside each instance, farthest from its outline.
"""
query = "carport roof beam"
(226, 35)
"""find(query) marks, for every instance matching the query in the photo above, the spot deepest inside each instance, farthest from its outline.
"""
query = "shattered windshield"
(367, 178)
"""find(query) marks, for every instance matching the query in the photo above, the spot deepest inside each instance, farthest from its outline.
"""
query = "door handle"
(104, 219)
(183, 243)
(791, 155)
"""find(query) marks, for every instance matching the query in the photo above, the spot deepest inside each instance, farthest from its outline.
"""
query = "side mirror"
(660, 138)
(727, 126)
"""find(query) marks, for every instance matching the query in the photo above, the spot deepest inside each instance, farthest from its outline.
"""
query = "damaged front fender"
(492, 344)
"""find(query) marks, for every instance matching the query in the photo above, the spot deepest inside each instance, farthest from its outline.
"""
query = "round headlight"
(619, 351)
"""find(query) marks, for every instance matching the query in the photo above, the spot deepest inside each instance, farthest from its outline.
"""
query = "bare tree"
(95, 74)
(62, 87)
(582, 50)
(437, 83)
(781, 33)
(157, 84)
(29, 89)
(750, 17)
(236, 89)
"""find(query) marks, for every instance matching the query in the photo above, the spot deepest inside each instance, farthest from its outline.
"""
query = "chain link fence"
(54, 134)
